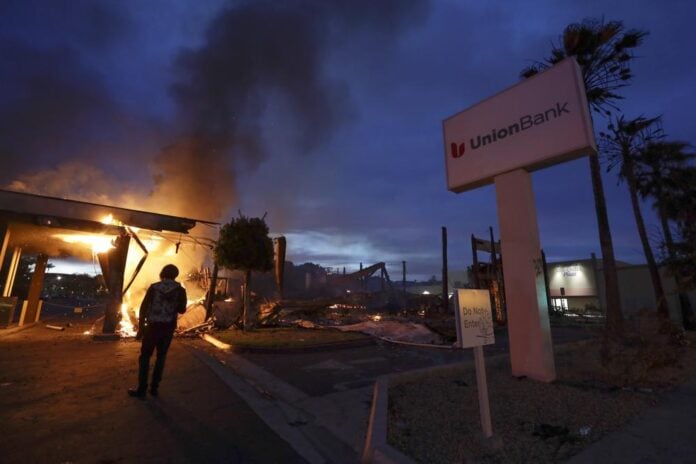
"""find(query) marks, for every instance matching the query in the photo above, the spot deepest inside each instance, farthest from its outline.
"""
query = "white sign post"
(541, 121)
(472, 311)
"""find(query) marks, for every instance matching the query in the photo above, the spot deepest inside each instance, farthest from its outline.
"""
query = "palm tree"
(681, 208)
(659, 176)
(623, 144)
(604, 52)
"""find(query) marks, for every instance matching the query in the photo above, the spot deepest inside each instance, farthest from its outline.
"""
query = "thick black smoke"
(260, 56)
(261, 64)
(52, 108)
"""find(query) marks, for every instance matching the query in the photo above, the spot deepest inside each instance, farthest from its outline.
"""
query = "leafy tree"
(244, 245)
(604, 52)
(623, 144)
(663, 174)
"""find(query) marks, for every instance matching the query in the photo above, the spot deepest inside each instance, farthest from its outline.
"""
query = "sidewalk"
(663, 434)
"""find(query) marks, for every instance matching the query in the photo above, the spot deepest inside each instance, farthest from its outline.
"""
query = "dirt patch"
(435, 419)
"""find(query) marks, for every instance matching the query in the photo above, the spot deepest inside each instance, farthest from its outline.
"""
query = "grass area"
(286, 337)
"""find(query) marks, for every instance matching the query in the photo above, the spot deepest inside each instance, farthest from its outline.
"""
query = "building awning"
(80, 215)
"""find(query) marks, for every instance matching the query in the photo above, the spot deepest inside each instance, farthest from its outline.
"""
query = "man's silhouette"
(163, 301)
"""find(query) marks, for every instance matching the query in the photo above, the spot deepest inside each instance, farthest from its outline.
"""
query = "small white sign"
(473, 316)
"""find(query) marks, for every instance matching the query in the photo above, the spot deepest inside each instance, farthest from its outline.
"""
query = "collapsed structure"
(55, 227)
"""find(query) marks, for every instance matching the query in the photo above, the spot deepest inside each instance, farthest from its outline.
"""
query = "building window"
(559, 304)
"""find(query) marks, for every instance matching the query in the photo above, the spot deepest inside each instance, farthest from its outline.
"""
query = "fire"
(108, 219)
(98, 243)
(153, 243)
(126, 327)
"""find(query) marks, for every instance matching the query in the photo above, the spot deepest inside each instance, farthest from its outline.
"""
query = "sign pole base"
(482, 387)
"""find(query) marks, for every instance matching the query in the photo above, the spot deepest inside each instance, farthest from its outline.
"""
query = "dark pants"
(155, 336)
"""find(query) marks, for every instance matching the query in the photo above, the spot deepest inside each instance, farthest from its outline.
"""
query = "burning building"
(129, 246)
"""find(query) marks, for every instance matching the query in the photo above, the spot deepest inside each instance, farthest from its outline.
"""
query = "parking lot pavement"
(320, 373)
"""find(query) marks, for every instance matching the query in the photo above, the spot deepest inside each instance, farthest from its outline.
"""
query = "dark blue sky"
(327, 115)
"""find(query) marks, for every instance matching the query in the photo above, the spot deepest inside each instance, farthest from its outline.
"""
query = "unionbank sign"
(541, 121)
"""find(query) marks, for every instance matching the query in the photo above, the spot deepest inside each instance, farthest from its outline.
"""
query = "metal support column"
(12, 272)
(113, 264)
(32, 313)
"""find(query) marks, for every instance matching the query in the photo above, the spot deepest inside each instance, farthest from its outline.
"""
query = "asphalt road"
(63, 400)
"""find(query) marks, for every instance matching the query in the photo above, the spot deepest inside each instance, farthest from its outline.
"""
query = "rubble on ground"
(194, 315)
(408, 332)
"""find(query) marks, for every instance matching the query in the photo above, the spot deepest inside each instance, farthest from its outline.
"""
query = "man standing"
(158, 312)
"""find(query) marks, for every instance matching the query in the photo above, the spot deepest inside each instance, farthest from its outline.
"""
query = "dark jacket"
(162, 302)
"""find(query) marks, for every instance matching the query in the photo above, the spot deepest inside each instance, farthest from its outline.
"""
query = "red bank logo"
(457, 150)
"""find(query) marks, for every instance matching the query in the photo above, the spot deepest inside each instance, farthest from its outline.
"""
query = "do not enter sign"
(473, 317)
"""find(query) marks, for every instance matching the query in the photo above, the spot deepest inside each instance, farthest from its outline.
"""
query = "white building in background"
(579, 285)
(573, 285)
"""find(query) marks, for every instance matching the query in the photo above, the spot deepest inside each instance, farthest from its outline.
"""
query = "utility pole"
(474, 262)
(546, 280)
(362, 278)
(445, 292)
(211, 292)
(403, 279)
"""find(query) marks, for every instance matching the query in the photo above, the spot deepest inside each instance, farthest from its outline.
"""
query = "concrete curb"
(13, 330)
(266, 408)
(284, 408)
(376, 449)
(414, 344)
(316, 347)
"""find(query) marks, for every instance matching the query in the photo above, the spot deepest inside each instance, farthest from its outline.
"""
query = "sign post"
(531, 351)
(474, 320)
(482, 388)
(536, 123)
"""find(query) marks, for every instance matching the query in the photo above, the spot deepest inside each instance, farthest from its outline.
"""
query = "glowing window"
(559, 304)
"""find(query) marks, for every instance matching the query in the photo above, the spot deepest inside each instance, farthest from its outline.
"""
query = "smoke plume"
(261, 63)
(264, 57)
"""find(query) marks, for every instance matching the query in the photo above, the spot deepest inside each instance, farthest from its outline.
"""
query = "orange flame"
(126, 327)
(98, 243)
